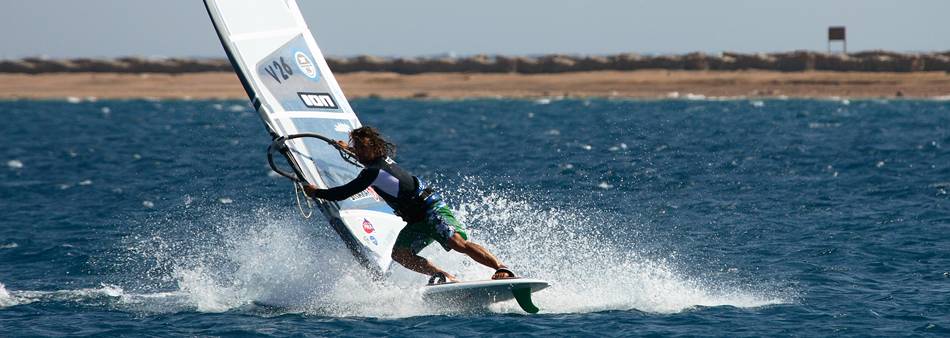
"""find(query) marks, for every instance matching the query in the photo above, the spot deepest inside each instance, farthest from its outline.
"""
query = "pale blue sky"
(108, 28)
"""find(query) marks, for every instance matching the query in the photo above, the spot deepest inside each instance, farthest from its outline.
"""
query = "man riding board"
(427, 217)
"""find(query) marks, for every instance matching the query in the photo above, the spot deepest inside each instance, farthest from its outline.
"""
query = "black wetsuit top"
(396, 186)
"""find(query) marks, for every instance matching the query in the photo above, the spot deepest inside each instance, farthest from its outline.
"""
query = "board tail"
(523, 296)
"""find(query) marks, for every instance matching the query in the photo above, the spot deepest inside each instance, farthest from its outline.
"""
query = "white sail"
(289, 83)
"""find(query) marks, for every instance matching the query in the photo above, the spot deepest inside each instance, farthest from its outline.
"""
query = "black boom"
(279, 144)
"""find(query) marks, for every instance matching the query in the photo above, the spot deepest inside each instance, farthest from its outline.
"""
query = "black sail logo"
(318, 100)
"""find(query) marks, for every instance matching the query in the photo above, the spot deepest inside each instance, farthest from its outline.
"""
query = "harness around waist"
(420, 207)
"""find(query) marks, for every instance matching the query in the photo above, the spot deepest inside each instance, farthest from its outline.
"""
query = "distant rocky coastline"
(871, 61)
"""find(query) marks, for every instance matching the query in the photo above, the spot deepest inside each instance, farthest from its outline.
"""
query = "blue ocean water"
(668, 218)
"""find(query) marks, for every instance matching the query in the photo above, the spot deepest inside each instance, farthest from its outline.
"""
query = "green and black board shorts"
(440, 225)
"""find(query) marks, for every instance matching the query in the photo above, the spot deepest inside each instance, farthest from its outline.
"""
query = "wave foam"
(85, 296)
(6, 299)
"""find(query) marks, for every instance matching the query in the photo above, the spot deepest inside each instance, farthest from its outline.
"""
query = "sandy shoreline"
(628, 84)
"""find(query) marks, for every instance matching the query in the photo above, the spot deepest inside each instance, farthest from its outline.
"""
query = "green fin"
(523, 296)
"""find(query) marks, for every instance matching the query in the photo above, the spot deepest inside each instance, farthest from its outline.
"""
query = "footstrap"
(506, 270)
(438, 278)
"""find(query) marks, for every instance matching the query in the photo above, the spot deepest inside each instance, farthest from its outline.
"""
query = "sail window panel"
(256, 16)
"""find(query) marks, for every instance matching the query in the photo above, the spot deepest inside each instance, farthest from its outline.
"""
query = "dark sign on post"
(837, 33)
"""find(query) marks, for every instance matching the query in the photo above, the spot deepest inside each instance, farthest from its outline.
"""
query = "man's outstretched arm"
(360, 183)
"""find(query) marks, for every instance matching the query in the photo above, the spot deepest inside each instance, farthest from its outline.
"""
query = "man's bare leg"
(478, 253)
(419, 264)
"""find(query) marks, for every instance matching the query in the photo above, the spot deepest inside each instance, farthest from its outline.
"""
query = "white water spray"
(301, 266)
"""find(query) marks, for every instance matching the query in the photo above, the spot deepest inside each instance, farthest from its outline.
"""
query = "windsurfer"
(428, 218)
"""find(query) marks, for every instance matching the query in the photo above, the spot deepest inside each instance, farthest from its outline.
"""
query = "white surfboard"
(290, 84)
(479, 294)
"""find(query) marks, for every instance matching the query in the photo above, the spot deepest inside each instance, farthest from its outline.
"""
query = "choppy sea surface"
(667, 218)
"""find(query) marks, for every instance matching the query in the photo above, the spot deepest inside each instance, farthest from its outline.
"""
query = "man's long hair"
(369, 140)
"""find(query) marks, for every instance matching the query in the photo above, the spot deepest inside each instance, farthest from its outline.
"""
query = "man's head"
(369, 145)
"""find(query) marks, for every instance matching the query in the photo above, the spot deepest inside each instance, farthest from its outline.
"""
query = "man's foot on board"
(442, 278)
(503, 273)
